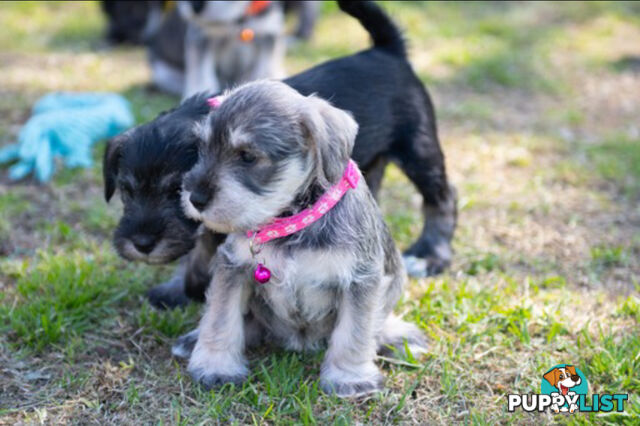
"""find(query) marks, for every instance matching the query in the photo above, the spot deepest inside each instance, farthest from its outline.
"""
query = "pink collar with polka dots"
(285, 226)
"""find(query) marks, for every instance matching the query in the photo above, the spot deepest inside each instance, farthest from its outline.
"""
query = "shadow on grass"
(627, 63)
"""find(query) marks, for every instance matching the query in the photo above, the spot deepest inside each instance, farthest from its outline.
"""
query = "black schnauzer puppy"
(396, 123)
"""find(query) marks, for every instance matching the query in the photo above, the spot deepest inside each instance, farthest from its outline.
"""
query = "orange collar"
(256, 7)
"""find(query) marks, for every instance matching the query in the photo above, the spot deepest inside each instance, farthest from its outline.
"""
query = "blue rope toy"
(65, 125)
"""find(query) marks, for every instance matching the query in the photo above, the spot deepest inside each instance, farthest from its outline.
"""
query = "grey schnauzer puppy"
(216, 57)
(268, 152)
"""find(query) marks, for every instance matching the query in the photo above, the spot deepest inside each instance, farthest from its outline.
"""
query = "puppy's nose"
(199, 200)
(144, 243)
(575, 378)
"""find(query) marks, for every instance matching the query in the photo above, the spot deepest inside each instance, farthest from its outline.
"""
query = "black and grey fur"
(216, 58)
(270, 151)
(147, 164)
(396, 124)
(166, 41)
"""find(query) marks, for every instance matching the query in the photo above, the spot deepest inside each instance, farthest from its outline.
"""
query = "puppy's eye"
(247, 157)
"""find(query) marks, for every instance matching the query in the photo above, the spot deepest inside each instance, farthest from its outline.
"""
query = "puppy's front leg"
(253, 335)
(218, 356)
(200, 64)
(268, 60)
(349, 369)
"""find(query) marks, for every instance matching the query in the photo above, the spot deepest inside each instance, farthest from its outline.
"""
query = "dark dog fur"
(396, 123)
(131, 21)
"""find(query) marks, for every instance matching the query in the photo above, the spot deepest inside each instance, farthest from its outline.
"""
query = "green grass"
(537, 124)
(608, 257)
(44, 26)
(618, 160)
(12, 204)
(64, 295)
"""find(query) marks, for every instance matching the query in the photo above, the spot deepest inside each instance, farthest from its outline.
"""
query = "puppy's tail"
(384, 32)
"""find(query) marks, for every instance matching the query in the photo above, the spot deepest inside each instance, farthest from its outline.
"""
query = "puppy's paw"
(185, 344)
(168, 295)
(350, 384)
(353, 389)
(213, 369)
(213, 381)
(418, 267)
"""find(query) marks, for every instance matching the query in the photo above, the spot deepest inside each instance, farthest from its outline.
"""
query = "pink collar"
(215, 102)
(285, 226)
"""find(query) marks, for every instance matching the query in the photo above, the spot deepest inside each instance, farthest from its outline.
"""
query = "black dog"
(131, 21)
(396, 121)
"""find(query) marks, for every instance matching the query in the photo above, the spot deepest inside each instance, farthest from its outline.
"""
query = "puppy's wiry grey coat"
(215, 57)
(270, 151)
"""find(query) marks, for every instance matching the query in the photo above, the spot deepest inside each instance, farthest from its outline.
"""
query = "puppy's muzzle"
(199, 200)
(144, 243)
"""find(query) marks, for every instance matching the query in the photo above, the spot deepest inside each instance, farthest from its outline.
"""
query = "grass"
(538, 121)
(618, 160)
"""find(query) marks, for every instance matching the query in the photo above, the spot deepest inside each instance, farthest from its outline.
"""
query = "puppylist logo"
(564, 389)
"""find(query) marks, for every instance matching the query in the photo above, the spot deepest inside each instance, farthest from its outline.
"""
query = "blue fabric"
(65, 125)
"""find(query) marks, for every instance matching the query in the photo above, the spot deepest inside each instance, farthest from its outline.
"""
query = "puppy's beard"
(130, 252)
(192, 212)
(156, 257)
(235, 208)
(160, 254)
(187, 207)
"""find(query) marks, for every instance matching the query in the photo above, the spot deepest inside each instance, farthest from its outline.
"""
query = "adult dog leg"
(218, 355)
(374, 174)
(349, 369)
(423, 164)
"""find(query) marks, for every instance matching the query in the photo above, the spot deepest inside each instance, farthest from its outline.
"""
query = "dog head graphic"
(563, 378)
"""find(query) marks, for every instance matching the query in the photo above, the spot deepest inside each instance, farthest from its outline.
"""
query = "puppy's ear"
(552, 377)
(571, 369)
(331, 133)
(110, 163)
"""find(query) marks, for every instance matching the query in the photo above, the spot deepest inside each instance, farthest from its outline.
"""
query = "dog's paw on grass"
(214, 381)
